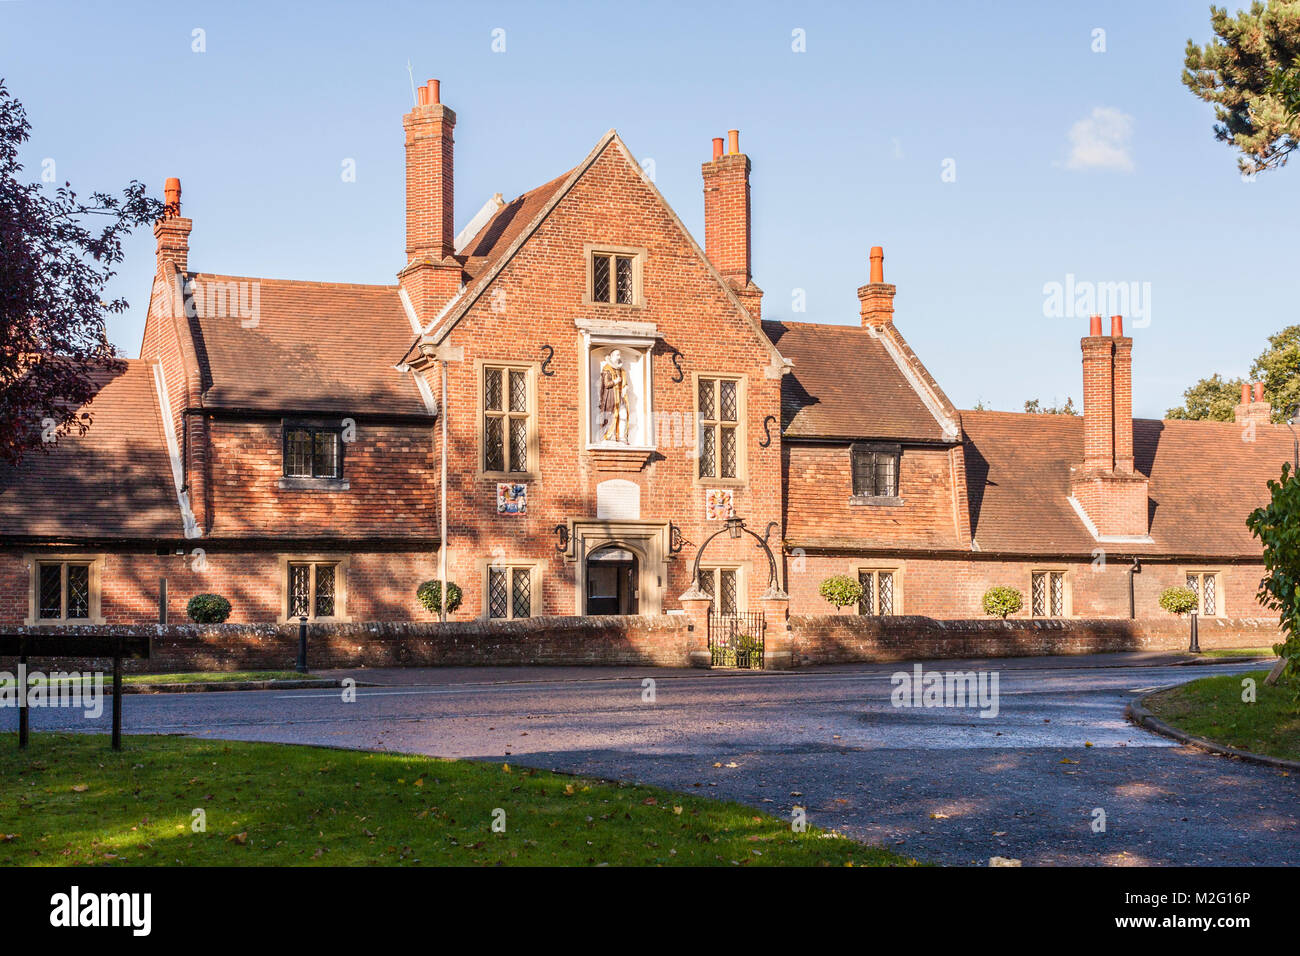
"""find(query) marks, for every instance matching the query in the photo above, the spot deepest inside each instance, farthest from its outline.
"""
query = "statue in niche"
(613, 421)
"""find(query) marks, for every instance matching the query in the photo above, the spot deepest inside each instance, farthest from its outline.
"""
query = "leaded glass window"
(723, 585)
(521, 592)
(877, 592)
(63, 591)
(313, 590)
(1205, 585)
(720, 428)
(613, 278)
(313, 451)
(875, 470)
(50, 591)
(507, 419)
(509, 592)
(1047, 593)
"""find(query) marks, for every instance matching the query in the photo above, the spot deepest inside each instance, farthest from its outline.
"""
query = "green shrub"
(1001, 600)
(208, 609)
(1178, 600)
(429, 595)
(1275, 525)
(841, 590)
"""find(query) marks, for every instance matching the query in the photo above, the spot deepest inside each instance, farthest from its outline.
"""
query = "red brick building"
(596, 393)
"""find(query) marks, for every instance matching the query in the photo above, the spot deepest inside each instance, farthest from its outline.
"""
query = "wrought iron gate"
(736, 640)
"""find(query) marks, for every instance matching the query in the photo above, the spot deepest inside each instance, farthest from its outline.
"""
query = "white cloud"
(1101, 141)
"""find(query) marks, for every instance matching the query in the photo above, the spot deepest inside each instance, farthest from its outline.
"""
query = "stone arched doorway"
(613, 576)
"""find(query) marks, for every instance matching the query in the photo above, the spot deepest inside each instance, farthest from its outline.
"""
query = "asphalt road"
(942, 783)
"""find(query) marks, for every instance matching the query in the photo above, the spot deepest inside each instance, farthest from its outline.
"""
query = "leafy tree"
(1178, 600)
(841, 590)
(1035, 407)
(1211, 399)
(1278, 367)
(53, 270)
(1251, 73)
(1000, 600)
(1277, 525)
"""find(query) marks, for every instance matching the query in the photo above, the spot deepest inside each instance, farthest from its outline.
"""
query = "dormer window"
(614, 275)
(313, 451)
(875, 471)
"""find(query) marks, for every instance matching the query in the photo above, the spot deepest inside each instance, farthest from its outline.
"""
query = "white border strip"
(174, 452)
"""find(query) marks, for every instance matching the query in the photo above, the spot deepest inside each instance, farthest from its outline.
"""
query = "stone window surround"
(638, 255)
(33, 562)
(744, 572)
(534, 439)
(1067, 597)
(896, 570)
(533, 566)
(340, 562)
(1203, 572)
(742, 431)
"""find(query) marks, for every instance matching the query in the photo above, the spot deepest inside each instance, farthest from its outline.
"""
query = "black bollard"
(302, 645)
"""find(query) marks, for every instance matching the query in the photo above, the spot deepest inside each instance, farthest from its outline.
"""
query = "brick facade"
(977, 499)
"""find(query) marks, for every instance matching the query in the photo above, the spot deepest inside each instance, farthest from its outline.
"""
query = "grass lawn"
(202, 677)
(214, 677)
(71, 800)
(1239, 652)
(1212, 707)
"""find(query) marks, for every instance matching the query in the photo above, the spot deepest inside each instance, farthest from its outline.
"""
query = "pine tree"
(1251, 74)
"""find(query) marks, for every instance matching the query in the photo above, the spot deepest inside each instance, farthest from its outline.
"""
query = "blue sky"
(1067, 161)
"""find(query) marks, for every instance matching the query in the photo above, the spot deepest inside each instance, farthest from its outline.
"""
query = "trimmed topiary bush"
(429, 594)
(1179, 600)
(841, 590)
(208, 609)
(1001, 600)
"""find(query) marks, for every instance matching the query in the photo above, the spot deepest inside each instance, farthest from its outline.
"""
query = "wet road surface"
(940, 783)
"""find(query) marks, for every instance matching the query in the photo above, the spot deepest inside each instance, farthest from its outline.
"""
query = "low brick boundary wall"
(661, 641)
(658, 641)
(843, 638)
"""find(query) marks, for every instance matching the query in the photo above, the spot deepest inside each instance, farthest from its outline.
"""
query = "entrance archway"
(613, 576)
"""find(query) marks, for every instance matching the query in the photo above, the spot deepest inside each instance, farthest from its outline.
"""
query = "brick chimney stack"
(877, 296)
(1253, 408)
(173, 231)
(432, 275)
(726, 220)
(1106, 485)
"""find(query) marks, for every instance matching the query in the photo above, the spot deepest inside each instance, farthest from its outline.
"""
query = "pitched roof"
(518, 221)
(846, 385)
(499, 232)
(1204, 481)
(316, 345)
(113, 481)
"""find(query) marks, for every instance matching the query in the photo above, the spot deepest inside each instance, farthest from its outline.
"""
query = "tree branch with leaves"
(1251, 74)
(57, 255)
